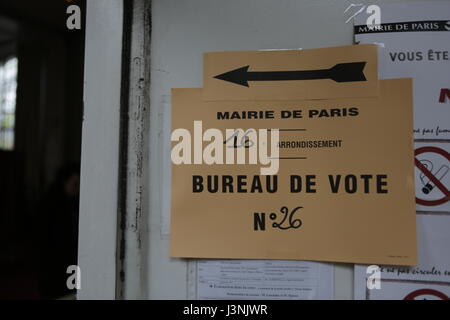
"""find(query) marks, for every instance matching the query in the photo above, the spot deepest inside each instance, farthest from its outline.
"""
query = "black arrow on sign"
(342, 72)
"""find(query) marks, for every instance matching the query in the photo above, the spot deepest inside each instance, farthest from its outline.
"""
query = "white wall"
(184, 29)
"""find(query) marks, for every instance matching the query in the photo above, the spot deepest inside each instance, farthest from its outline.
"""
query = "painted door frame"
(113, 157)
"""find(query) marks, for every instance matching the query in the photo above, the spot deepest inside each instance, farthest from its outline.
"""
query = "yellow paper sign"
(326, 180)
(337, 72)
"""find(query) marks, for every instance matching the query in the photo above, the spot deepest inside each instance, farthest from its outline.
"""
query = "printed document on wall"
(264, 280)
(414, 41)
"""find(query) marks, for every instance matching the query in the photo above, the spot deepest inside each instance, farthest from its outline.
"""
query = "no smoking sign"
(432, 162)
(426, 294)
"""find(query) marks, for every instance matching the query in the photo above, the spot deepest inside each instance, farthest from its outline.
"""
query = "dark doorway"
(41, 106)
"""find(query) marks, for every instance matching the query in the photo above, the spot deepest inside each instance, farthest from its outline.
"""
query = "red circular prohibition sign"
(430, 176)
(421, 292)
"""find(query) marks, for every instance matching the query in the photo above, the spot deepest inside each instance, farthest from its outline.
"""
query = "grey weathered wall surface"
(182, 30)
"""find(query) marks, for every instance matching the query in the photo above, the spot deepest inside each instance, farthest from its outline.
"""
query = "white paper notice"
(429, 280)
(414, 40)
(264, 280)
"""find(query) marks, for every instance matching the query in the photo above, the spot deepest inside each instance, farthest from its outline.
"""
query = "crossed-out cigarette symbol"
(432, 178)
(440, 173)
